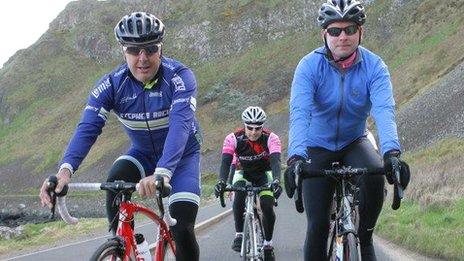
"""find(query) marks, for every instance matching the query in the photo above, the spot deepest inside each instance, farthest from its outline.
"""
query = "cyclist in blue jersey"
(153, 96)
(335, 88)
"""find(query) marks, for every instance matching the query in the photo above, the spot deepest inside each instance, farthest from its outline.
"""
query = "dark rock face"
(434, 114)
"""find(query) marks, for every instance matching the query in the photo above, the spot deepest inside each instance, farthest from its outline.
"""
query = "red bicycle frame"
(127, 209)
(126, 232)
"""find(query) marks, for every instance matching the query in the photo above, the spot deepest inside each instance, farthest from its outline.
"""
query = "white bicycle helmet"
(253, 115)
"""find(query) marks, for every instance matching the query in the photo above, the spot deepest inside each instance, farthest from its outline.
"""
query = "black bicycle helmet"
(341, 10)
(139, 28)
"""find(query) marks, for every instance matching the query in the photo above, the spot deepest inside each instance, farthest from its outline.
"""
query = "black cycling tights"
(317, 196)
(184, 212)
(184, 235)
(267, 206)
(125, 170)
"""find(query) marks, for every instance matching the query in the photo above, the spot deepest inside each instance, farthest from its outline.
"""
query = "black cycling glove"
(388, 161)
(276, 188)
(219, 188)
(290, 175)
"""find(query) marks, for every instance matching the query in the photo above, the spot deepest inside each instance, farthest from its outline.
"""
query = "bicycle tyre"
(247, 238)
(111, 249)
(351, 248)
(332, 242)
(259, 231)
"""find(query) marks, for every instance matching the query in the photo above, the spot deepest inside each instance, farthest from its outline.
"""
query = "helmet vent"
(130, 26)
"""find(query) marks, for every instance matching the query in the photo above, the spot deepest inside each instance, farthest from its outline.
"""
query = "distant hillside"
(436, 114)
(243, 52)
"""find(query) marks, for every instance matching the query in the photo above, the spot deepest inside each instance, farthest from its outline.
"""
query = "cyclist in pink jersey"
(258, 161)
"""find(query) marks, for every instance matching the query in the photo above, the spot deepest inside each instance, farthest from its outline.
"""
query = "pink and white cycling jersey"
(252, 155)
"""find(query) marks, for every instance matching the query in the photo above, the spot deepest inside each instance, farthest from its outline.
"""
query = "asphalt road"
(215, 239)
(289, 234)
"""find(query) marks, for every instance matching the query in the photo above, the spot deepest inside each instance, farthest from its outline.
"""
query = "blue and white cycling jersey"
(329, 107)
(159, 121)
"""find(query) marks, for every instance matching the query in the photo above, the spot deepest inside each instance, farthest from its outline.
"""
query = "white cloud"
(24, 21)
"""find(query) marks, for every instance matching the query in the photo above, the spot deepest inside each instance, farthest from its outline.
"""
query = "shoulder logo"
(178, 83)
(118, 73)
(167, 64)
(91, 108)
(101, 87)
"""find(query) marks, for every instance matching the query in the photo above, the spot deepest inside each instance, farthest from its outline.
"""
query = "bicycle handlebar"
(304, 171)
(165, 190)
(342, 172)
(247, 188)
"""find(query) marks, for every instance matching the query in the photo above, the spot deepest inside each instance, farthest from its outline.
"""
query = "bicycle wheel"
(248, 239)
(332, 242)
(259, 236)
(351, 248)
(110, 250)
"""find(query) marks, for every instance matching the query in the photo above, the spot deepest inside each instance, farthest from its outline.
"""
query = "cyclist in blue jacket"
(154, 98)
(335, 88)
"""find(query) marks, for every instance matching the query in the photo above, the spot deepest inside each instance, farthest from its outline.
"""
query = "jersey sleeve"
(274, 144)
(383, 108)
(229, 146)
(228, 156)
(301, 102)
(181, 120)
(93, 119)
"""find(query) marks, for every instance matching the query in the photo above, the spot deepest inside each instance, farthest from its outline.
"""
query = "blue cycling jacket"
(329, 107)
(168, 108)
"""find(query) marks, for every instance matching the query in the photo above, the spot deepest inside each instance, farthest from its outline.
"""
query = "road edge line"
(200, 227)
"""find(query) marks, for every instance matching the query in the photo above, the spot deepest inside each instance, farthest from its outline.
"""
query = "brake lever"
(398, 191)
(52, 182)
(52, 210)
(297, 196)
(398, 183)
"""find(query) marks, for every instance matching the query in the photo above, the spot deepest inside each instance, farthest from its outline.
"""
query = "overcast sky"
(24, 21)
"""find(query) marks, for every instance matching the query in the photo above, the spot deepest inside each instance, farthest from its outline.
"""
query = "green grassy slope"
(44, 87)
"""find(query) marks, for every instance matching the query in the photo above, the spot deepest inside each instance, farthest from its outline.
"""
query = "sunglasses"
(135, 50)
(349, 30)
(251, 128)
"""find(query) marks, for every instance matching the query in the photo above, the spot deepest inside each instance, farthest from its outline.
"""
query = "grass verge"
(434, 231)
(52, 233)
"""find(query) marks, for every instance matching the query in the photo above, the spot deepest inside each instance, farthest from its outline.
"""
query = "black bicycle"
(343, 241)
